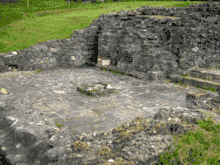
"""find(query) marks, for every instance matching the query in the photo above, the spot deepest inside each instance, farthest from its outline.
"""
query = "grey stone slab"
(148, 104)
(87, 119)
(84, 129)
(73, 123)
(52, 115)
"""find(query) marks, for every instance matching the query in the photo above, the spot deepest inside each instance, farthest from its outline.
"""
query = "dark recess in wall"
(3, 160)
(92, 61)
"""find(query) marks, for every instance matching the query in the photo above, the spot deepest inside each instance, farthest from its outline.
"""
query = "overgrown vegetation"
(22, 27)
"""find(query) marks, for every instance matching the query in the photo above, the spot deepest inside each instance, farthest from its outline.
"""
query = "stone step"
(208, 80)
(206, 74)
(196, 82)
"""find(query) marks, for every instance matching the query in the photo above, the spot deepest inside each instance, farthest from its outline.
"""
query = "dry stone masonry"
(135, 44)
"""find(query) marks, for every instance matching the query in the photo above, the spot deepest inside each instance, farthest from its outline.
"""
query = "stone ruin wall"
(133, 42)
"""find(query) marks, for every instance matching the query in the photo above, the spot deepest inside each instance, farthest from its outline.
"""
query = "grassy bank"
(23, 27)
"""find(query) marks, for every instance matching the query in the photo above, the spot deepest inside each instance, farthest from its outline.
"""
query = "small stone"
(14, 52)
(4, 91)
(110, 160)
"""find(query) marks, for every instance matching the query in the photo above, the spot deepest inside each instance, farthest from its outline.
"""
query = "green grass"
(116, 72)
(199, 147)
(22, 27)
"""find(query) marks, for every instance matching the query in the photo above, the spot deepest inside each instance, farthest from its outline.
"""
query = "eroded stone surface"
(139, 141)
(47, 109)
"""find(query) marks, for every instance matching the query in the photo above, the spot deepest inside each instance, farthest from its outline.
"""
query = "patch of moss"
(116, 72)
(58, 125)
(38, 71)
